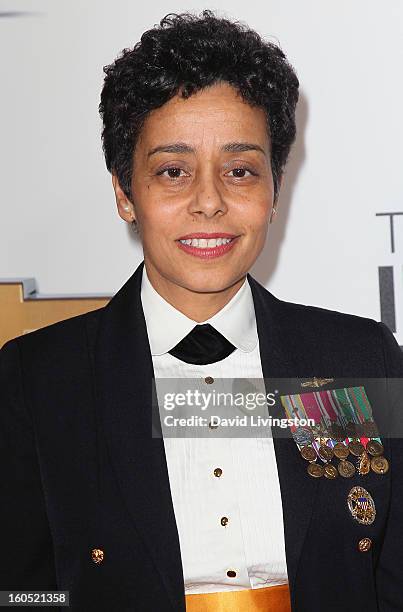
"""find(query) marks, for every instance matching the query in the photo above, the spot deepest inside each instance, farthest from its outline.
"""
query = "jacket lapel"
(124, 373)
(298, 490)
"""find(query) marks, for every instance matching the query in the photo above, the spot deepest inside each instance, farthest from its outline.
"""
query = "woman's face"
(201, 166)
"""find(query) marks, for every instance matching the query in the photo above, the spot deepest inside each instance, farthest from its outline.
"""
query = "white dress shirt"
(246, 492)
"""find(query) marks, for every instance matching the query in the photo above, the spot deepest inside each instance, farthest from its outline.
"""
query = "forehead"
(212, 116)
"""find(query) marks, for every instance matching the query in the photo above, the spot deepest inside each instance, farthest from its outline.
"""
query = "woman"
(198, 120)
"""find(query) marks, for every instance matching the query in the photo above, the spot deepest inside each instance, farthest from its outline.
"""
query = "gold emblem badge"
(317, 382)
(361, 505)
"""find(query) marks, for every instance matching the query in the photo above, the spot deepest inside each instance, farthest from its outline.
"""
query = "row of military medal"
(369, 457)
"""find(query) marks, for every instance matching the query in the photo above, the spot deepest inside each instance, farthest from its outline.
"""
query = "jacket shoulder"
(315, 318)
(331, 339)
(347, 337)
(309, 321)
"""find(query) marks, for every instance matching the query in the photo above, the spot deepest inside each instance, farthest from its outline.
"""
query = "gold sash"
(267, 599)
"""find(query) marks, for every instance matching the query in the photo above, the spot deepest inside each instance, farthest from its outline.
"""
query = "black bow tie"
(203, 345)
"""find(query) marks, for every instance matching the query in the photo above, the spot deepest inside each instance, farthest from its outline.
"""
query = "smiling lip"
(204, 235)
(207, 253)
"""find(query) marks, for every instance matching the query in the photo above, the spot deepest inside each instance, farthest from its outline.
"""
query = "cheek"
(263, 211)
(255, 214)
(157, 217)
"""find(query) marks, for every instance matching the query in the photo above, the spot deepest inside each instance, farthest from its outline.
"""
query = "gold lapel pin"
(317, 382)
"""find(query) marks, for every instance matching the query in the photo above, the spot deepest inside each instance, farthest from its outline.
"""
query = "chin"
(210, 283)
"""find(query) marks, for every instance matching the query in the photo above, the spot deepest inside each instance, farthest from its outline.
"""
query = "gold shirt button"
(97, 555)
(224, 521)
(231, 573)
(364, 545)
(218, 472)
(209, 380)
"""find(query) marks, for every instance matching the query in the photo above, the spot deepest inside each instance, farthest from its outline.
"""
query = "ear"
(124, 205)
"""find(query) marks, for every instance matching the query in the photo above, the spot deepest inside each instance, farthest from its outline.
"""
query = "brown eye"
(173, 173)
(240, 172)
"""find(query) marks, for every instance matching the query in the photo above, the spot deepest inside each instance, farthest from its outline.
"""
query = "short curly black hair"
(182, 55)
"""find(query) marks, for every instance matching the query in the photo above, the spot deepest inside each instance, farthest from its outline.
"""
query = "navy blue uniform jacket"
(79, 468)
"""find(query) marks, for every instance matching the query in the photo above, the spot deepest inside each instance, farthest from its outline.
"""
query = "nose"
(207, 198)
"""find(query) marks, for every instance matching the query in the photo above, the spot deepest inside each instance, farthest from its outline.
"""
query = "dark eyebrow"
(239, 147)
(230, 147)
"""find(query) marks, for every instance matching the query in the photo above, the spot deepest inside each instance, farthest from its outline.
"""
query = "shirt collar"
(166, 326)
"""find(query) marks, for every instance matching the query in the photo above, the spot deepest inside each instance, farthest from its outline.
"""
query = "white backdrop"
(58, 217)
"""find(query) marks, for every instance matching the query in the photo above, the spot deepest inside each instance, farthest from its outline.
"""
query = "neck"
(196, 305)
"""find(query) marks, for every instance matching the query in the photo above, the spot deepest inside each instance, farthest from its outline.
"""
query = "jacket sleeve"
(26, 559)
(389, 570)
